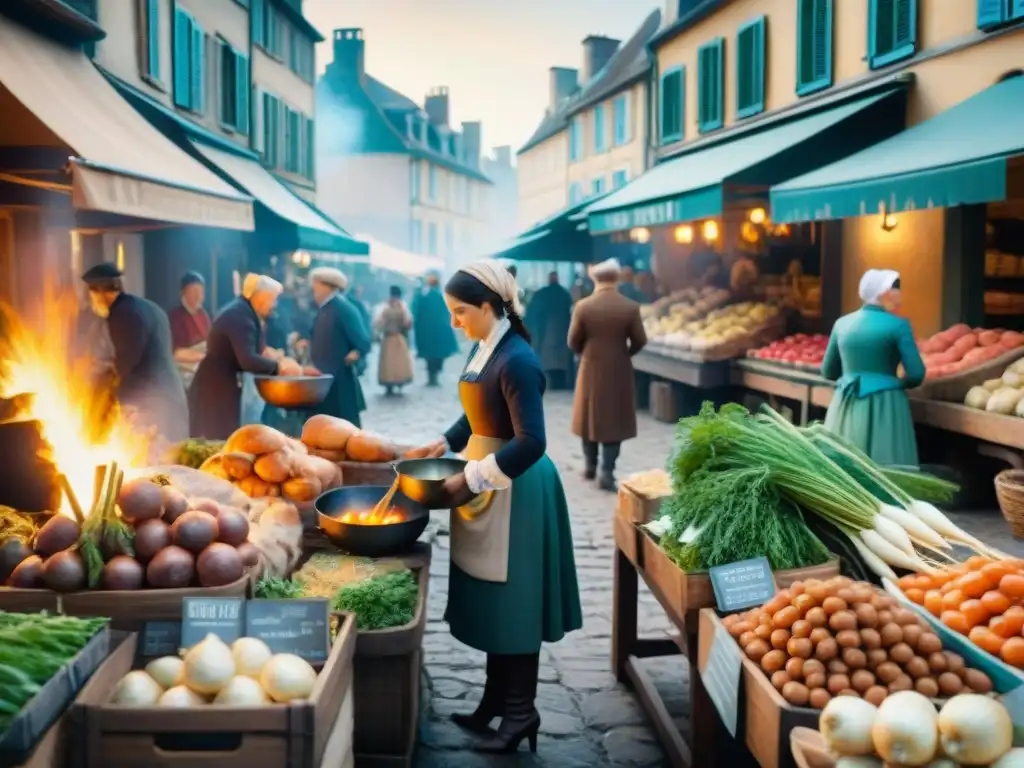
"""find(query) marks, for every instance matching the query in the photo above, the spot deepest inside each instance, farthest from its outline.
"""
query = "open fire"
(54, 381)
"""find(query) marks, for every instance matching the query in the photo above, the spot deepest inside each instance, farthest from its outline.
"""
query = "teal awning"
(958, 157)
(510, 249)
(568, 216)
(690, 187)
(296, 222)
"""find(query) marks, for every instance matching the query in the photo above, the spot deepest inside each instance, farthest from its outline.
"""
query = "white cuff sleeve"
(485, 475)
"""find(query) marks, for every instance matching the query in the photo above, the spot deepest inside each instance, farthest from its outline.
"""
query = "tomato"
(952, 599)
(933, 602)
(995, 602)
(1012, 652)
(957, 622)
(974, 584)
(987, 640)
(1012, 585)
(915, 595)
(994, 572)
(974, 612)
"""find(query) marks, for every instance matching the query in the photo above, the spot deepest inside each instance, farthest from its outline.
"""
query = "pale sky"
(493, 55)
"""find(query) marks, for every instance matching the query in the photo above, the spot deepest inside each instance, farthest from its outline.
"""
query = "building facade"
(503, 202)
(728, 71)
(591, 140)
(232, 82)
(396, 170)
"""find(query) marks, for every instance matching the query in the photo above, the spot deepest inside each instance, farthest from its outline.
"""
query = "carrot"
(963, 345)
(988, 338)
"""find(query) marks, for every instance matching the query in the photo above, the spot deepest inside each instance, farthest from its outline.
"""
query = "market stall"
(776, 552)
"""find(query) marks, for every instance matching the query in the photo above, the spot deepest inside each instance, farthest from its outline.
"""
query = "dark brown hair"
(467, 289)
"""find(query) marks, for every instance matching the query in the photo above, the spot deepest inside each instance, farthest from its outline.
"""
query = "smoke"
(340, 126)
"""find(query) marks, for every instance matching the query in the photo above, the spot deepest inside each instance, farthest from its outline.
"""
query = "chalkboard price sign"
(160, 638)
(221, 616)
(743, 584)
(301, 627)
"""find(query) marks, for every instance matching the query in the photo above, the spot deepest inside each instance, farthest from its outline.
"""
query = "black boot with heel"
(492, 704)
(521, 719)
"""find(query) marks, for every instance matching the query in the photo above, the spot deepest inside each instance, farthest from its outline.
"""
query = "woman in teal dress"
(512, 582)
(870, 407)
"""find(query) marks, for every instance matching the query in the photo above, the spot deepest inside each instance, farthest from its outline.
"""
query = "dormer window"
(421, 129)
(410, 126)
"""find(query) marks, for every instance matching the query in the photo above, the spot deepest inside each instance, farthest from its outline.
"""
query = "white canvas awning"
(384, 256)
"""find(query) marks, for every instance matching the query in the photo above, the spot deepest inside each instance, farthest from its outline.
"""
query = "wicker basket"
(1010, 492)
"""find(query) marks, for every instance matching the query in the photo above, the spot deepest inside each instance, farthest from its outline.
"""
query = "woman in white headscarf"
(512, 582)
(865, 351)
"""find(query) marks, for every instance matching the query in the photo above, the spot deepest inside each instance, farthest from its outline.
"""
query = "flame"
(42, 356)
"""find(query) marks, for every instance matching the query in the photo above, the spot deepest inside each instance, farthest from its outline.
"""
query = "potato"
(275, 467)
(215, 466)
(256, 439)
(330, 432)
(301, 489)
(237, 465)
(327, 453)
(255, 487)
(327, 472)
(370, 448)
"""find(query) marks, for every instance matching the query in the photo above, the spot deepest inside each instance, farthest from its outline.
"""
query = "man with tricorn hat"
(147, 379)
(339, 341)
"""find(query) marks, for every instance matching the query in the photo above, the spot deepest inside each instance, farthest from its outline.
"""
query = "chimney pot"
(597, 51)
(436, 104)
(563, 83)
(349, 53)
(472, 138)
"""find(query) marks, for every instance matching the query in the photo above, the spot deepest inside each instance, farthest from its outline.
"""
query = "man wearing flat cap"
(147, 380)
(339, 341)
(190, 325)
(606, 331)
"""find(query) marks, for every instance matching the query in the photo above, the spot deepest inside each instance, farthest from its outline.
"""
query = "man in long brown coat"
(606, 331)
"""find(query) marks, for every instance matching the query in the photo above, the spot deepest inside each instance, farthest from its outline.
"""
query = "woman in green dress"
(870, 407)
(512, 582)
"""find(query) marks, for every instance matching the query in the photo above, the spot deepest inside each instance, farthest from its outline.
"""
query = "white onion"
(208, 666)
(861, 761)
(180, 697)
(287, 677)
(905, 730)
(242, 691)
(974, 729)
(167, 670)
(250, 655)
(137, 689)
(1012, 759)
(845, 724)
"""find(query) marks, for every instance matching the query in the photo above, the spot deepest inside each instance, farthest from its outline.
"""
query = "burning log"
(28, 481)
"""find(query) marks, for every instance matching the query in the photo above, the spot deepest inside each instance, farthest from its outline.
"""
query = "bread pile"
(262, 462)
(334, 439)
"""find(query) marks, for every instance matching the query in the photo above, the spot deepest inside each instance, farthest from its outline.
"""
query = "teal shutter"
(198, 71)
(710, 86)
(813, 46)
(670, 104)
(991, 12)
(892, 31)
(182, 61)
(310, 149)
(256, 16)
(750, 70)
(1017, 9)
(153, 38)
(242, 93)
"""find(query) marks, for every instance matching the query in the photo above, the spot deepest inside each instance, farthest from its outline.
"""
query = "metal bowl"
(422, 480)
(369, 540)
(294, 391)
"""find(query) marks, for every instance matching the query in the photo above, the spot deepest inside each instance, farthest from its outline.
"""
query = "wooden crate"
(297, 735)
(637, 508)
(692, 591)
(765, 719)
(130, 610)
(14, 600)
(388, 667)
(627, 538)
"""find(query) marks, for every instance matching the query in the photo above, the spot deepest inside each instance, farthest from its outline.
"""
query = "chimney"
(349, 61)
(436, 105)
(563, 84)
(471, 140)
(503, 156)
(597, 51)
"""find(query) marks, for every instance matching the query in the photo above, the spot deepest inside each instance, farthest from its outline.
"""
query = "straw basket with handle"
(1010, 492)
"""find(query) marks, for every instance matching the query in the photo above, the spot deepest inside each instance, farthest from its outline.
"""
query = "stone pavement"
(588, 719)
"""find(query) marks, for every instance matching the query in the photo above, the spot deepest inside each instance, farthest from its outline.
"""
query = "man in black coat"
(340, 340)
(147, 380)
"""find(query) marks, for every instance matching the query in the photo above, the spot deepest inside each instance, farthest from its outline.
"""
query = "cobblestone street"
(587, 718)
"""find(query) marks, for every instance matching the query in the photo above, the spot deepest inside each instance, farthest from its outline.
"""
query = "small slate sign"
(721, 677)
(160, 638)
(743, 584)
(301, 627)
(222, 616)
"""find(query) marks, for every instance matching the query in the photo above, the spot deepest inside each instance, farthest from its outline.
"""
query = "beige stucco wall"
(943, 80)
(629, 157)
(121, 51)
(274, 76)
(542, 180)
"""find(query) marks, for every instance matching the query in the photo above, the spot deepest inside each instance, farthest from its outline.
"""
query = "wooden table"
(682, 367)
(628, 649)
